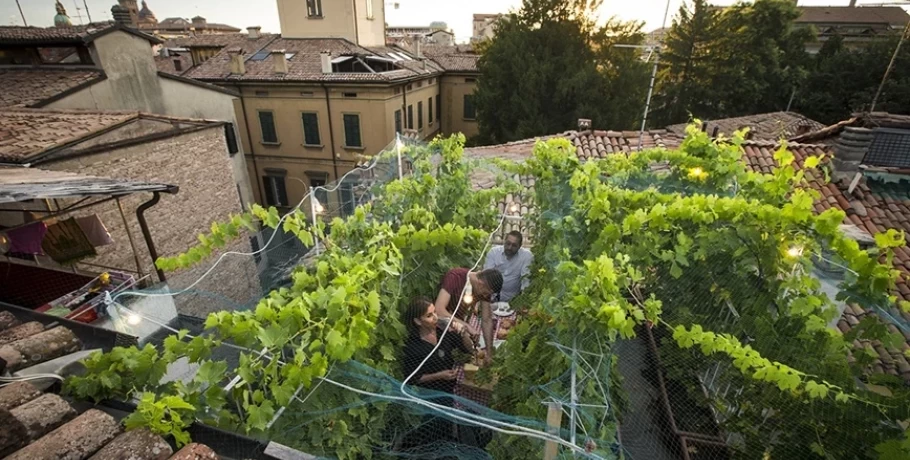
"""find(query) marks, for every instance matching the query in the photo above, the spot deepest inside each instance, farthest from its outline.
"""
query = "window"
(410, 117)
(420, 115)
(347, 199)
(307, 93)
(349, 94)
(430, 110)
(369, 9)
(314, 8)
(311, 128)
(470, 80)
(267, 125)
(438, 108)
(262, 93)
(397, 90)
(419, 84)
(230, 137)
(352, 130)
(178, 66)
(276, 193)
(398, 121)
(318, 179)
(469, 111)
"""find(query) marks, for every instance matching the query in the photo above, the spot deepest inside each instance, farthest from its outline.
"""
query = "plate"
(502, 309)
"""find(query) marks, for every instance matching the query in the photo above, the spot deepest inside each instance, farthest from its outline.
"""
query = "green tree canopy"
(550, 65)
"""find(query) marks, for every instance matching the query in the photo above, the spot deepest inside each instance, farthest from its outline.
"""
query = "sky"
(243, 13)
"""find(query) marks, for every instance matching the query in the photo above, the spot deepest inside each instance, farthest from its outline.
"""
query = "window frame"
(369, 10)
(399, 121)
(439, 108)
(344, 125)
(262, 139)
(306, 142)
(270, 180)
(464, 108)
(410, 116)
(314, 9)
(419, 115)
(430, 110)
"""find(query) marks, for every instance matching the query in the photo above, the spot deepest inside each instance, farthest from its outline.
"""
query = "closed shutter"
(352, 130)
(267, 124)
(311, 129)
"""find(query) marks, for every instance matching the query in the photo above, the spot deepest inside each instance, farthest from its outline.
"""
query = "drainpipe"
(328, 107)
(144, 226)
(246, 123)
(356, 27)
(404, 106)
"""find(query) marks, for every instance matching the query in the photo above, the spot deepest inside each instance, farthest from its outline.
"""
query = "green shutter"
(267, 124)
(420, 115)
(311, 129)
(469, 110)
(352, 130)
(430, 109)
(398, 121)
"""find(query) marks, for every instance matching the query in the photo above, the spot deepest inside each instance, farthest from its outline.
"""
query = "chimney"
(280, 61)
(417, 51)
(199, 22)
(849, 150)
(164, 52)
(326, 61)
(584, 124)
(253, 32)
(237, 66)
(852, 3)
(121, 15)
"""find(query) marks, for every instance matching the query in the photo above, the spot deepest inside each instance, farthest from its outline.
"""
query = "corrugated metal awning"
(25, 184)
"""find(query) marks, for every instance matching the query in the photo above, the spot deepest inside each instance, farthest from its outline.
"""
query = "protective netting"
(588, 361)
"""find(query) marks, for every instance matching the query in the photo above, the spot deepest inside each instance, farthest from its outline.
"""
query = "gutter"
(144, 226)
(249, 136)
(328, 107)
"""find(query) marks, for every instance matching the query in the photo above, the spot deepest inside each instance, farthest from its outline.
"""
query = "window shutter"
(352, 130)
(311, 129)
(267, 123)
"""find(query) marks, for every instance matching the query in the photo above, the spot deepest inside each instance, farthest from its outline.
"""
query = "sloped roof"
(166, 63)
(26, 135)
(30, 87)
(771, 126)
(588, 144)
(892, 15)
(862, 120)
(17, 35)
(453, 58)
(220, 41)
(25, 184)
(306, 63)
(185, 24)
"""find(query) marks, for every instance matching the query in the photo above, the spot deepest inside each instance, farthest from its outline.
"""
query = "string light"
(795, 251)
(513, 208)
(317, 206)
(697, 173)
(133, 319)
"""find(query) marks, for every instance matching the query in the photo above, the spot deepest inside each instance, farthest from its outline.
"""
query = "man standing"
(514, 262)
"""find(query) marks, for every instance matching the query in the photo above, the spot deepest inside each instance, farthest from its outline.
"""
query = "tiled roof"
(25, 184)
(858, 120)
(305, 64)
(455, 58)
(217, 40)
(589, 144)
(172, 24)
(25, 87)
(64, 35)
(166, 63)
(766, 126)
(26, 133)
(847, 15)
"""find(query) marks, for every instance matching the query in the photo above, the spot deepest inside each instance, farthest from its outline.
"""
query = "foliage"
(748, 58)
(118, 374)
(168, 416)
(550, 65)
(844, 80)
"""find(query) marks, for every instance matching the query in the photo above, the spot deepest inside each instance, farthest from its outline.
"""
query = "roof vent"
(253, 32)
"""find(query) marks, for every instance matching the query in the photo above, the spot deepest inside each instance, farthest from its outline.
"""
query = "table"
(468, 389)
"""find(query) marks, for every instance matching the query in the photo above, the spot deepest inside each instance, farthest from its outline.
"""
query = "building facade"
(484, 27)
(359, 21)
(857, 25)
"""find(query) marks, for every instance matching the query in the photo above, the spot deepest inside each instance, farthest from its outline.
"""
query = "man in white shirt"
(514, 262)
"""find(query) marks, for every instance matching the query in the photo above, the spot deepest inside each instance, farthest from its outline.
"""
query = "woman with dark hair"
(437, 373)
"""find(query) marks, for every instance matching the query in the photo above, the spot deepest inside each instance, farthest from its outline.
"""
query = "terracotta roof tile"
(63, 35)
(25, 87)
(455, 58)
(167, 64)
(306, 64)
(25, 133)
(890, 15)
(766, 126)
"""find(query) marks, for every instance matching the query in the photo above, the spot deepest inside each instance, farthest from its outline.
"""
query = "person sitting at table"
(514, 262)
(484, 285)
(437, 373)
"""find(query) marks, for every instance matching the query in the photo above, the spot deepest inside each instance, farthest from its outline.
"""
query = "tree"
(844, 81)
(550, 65)
(748, 58)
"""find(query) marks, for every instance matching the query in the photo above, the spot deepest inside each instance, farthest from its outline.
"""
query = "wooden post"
(129, 235)
(554, 423)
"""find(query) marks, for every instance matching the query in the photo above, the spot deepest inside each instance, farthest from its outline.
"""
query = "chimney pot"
(237, 65)
(121, 15)
(279, 60)
(584, 124)
(326, 59)
(253, 32)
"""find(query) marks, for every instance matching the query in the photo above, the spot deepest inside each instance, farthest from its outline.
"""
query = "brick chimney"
(237, 65)
(279, 60)
(253, 32)
(121, 15)
(326, 59)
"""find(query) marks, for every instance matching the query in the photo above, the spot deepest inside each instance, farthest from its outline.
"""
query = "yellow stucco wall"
(454, 88)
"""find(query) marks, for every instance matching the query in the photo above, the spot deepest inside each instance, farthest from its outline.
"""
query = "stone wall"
(199, 164)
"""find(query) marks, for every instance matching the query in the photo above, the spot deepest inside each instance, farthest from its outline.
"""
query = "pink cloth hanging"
(27, 239)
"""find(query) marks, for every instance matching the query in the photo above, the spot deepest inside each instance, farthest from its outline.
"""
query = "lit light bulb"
(133, 319)
(514, 208)
(795, 251)
(468, 299)
(318, 207)
(697, 173)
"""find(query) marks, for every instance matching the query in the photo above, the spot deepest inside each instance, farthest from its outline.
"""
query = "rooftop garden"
(716, 264)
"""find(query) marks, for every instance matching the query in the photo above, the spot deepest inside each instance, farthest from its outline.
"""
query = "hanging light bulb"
(317, 206)
(697, 173)
(468, 292)
(468, 299)
(513, 208)
(795, 251)
(133, 319)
